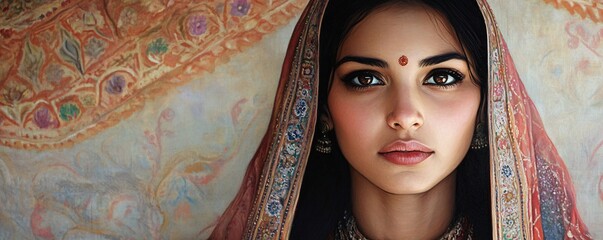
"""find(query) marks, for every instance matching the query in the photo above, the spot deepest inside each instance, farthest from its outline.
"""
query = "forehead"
(413, 29)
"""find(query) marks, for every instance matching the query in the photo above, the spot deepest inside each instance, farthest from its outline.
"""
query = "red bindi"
(403, 60)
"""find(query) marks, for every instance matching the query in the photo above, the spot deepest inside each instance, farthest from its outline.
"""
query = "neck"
(382, 215)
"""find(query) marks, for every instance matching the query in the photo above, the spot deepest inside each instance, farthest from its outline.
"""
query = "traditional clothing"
(532, 196)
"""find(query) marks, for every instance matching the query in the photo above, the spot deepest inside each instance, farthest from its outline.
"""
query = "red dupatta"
(532, 193)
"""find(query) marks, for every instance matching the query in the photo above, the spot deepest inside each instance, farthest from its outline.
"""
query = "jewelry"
(480, 139)
(403, 60)
(347, 229)
(323, 144)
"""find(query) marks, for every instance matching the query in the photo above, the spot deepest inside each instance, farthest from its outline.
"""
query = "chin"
(409, 185)
(405, 185)
(408, 190)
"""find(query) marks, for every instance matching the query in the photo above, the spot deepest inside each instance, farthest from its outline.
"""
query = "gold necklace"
(347, 229)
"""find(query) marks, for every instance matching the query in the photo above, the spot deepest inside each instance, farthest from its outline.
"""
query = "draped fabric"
(532, 193)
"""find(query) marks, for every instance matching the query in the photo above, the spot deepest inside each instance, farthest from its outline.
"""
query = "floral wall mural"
(136, 119)
(131, 119)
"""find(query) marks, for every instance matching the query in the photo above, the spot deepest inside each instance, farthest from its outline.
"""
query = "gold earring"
(323, 144)
(480, 139)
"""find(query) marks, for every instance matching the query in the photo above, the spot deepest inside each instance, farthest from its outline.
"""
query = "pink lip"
(405, 152)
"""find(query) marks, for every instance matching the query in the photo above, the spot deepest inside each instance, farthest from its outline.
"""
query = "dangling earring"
(480, 138)
(323, 144)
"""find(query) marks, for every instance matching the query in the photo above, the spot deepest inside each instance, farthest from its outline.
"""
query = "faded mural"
(136, 119)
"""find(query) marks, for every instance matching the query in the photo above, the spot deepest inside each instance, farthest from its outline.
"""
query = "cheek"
(455, 122)
(347, 120)
(355, 122)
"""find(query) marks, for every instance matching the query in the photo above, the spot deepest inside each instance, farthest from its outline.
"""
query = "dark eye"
(444, 77)
(363, 79)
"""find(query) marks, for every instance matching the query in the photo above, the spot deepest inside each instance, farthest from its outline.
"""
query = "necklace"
(347, 229)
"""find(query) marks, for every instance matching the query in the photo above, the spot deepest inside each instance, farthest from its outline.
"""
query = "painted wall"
(137, 119)
(132, 120)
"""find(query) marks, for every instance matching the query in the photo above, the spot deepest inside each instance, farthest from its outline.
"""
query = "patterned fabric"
(532, 193)
(86, 66)
(280, 159)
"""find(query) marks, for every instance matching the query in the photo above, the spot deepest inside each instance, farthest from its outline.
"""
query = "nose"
(405, 111)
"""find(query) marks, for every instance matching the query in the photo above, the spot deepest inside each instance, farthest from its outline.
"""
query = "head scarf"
(531, 191)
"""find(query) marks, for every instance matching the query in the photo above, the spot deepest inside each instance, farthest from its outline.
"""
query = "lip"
(402, 152)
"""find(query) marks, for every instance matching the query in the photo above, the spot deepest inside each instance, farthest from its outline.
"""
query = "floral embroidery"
(116, 85)
(307, 69)
(292, 149)
(94, 48)
(506, 171)
(498, 93)
(508, 196)
(305, 93)
(301, 108)
(293, 133)
(88, 19)
(43, 119)
(280, 187)
(502, 143)
(308, 54)
(239, 8)
(287, 172)
(69, 111)
(159, 46)
(503, 155)
(128, 17)
(13, 95)
(495, 59)
(274, 207)
(32, 60)
(197, 25)
(86, 41)
(70, 51)
(288, 160)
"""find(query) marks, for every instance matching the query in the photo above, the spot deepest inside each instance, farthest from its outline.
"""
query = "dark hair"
(325, 192)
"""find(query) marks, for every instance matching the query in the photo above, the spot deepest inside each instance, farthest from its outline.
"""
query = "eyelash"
(457, 76)
(352, 81)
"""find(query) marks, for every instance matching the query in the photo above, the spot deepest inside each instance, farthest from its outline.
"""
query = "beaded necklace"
(347, 229)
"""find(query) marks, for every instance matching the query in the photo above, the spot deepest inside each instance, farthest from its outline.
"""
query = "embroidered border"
(506, 177)
(274, 204)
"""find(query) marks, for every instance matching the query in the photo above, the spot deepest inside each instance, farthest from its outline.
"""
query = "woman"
(404, 89)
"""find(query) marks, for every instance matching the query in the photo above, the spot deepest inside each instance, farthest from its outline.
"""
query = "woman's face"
(403, 128)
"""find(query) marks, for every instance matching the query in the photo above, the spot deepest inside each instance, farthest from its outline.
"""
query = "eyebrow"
(441, 58)
(364, 60)
(433, 60)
